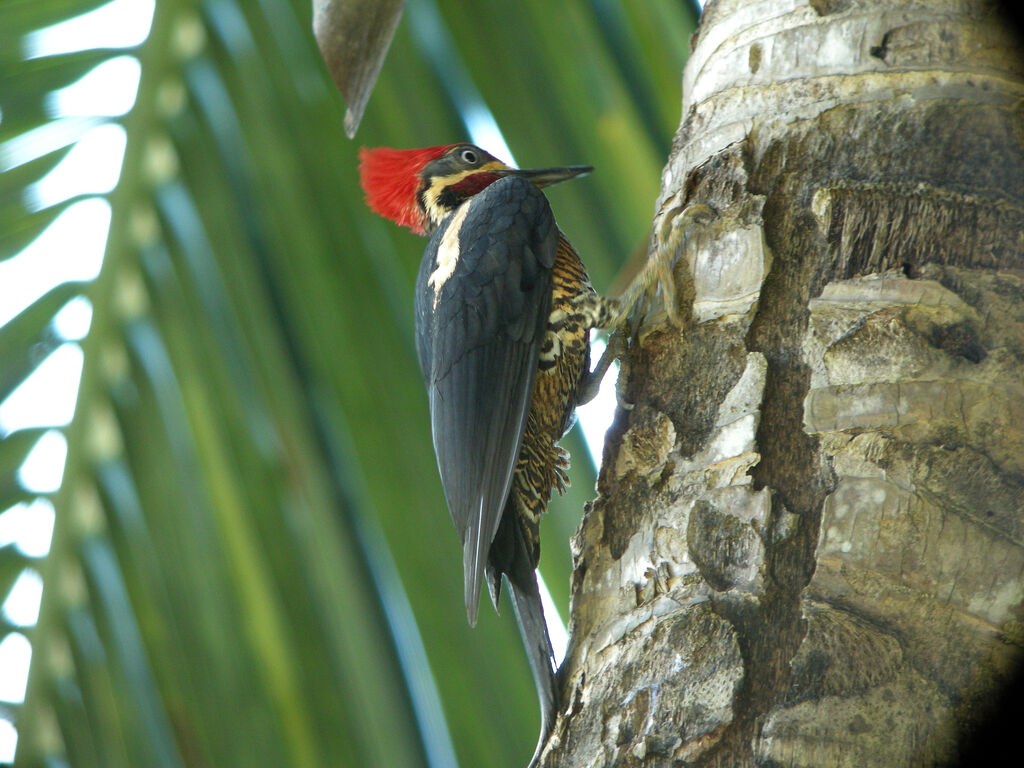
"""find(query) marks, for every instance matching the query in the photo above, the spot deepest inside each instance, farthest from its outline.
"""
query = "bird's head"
(418, 188)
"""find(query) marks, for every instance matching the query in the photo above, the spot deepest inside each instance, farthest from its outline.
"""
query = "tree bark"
(808, 543)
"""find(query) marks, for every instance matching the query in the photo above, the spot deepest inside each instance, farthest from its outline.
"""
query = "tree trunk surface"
(807, 547)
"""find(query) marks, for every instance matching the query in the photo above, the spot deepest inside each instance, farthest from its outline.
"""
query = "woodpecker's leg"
(595, 311)
(592, 310)
(592, 383)
(672, 227)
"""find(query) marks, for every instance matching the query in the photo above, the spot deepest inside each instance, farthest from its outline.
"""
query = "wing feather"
(479, 334)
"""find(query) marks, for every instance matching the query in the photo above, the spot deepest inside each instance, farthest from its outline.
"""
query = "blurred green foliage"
(252, 562)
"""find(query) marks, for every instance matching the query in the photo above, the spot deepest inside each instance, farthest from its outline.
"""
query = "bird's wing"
(482, 303)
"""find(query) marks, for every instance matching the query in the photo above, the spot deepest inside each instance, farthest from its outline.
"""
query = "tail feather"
(510, 557)
(534, 631)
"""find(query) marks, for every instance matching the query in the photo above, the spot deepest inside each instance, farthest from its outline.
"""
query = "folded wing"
(482, 303)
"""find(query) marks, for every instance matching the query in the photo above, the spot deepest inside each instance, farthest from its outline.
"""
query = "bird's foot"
(671, 226)
(595, 311)
(616, 347)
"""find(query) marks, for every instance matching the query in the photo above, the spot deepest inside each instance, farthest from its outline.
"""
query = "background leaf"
(252, 561)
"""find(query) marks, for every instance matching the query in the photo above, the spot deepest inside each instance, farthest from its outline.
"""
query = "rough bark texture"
(808, 544)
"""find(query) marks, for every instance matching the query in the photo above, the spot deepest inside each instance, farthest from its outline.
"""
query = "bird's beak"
(545, 177)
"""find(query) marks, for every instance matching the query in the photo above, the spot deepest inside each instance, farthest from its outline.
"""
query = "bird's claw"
(672, 224)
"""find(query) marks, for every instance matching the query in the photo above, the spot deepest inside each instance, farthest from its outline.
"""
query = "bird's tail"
(534, 630)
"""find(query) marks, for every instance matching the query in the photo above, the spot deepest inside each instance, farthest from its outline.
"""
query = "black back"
(478, 335)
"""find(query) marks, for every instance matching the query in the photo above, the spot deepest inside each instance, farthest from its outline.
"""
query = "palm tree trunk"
(807, 545)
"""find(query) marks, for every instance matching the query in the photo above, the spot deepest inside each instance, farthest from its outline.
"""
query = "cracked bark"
(808, 542)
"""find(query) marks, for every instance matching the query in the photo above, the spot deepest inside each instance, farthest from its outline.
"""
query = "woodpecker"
(503, 307)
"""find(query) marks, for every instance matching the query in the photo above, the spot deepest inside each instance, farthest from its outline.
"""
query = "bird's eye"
(469, 156)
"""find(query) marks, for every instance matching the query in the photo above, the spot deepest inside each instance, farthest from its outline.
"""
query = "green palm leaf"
(252, 562)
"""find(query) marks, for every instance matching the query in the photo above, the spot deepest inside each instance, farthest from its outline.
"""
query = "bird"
(503, 312)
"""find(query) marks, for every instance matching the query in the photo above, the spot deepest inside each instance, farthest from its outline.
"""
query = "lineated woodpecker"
(504, 307)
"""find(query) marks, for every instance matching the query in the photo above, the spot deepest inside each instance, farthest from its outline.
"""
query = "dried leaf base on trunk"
(808, 544)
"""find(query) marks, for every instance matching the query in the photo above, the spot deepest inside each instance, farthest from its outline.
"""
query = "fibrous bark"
(808, 543)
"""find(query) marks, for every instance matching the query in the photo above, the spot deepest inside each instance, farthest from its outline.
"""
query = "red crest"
(390, 178)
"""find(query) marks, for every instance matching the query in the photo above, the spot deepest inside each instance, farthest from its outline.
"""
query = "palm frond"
(252, 562)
